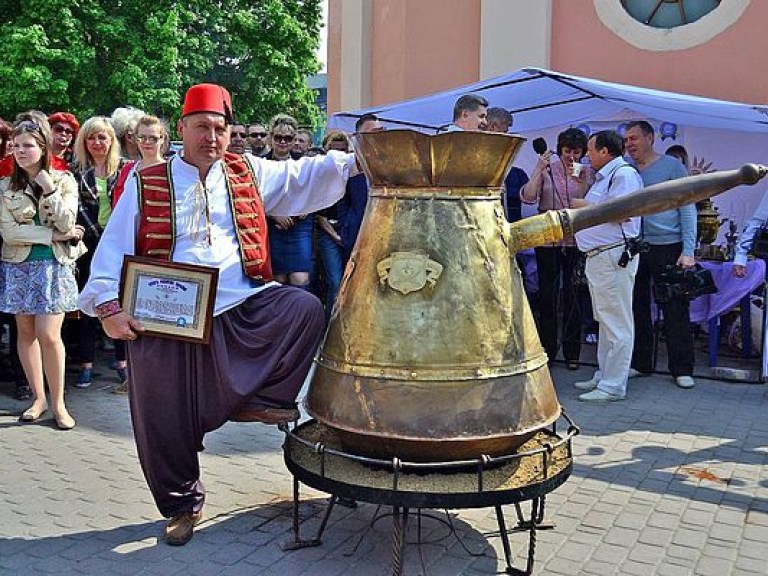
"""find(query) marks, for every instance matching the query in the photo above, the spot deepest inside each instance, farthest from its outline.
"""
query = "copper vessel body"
(432, 352)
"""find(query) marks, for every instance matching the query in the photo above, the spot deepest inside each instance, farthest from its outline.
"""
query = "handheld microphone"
(540, 146)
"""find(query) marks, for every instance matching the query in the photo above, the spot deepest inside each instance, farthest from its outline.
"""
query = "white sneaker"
(636, 373)
(598, 395)
(685, 382)
(586, 385)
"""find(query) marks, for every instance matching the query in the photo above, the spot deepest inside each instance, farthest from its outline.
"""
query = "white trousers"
(610, 287)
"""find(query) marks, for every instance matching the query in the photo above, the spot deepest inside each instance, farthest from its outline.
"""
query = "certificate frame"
(170, 299)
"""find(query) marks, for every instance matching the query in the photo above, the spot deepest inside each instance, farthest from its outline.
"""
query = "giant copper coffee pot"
(432, 353)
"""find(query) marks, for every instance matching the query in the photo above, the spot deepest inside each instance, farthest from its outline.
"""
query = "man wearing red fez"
(207, 207)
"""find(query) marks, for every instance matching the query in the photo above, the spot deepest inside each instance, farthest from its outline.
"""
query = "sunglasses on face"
(240, 134)
(282, 139)
(59, 129)
(148, 139)
(258, 134)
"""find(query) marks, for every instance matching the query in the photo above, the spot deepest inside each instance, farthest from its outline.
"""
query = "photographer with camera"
(671, 238)
(611, 267)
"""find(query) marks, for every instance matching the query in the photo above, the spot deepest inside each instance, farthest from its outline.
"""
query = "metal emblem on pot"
(408, 271)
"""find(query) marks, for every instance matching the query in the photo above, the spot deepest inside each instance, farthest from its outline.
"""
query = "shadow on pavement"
(252, 538)
(702, 444)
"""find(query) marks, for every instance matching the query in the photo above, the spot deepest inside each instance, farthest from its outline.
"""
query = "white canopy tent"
(544, 103)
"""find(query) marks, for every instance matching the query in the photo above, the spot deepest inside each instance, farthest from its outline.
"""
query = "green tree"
(89, 57)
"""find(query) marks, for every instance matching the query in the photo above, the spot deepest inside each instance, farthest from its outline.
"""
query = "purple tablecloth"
(729, 289)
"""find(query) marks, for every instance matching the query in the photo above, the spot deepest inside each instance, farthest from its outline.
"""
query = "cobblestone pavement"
(668, 482)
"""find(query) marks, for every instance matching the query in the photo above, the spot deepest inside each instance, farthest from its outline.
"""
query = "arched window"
(664, 25)
(668, 13)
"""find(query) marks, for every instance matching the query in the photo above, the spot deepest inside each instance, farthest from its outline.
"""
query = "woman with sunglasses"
(290, 238)
(41, 242)
(98, 163)
(65, 127)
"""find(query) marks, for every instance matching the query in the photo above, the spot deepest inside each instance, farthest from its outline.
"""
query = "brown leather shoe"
(181, 527)
(266, 415)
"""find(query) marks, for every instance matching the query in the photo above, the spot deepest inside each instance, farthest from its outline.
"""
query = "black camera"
(632, 247)
(760, 243)
(676, 282)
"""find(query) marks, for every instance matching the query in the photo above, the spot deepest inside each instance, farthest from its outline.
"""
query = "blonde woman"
(41, 242)
(290, 237)
(98, 161)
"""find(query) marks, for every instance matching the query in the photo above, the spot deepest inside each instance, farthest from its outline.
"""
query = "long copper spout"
(553, 226)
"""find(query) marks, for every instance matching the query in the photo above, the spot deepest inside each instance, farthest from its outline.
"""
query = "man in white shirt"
(211, 212)
(610, 269)
(747, 237)
(469, 113)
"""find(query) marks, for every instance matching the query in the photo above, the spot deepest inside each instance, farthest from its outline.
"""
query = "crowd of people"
(95, 160)
(77, 197)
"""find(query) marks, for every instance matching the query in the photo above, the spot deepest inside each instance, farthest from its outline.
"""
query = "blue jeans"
(332, 259)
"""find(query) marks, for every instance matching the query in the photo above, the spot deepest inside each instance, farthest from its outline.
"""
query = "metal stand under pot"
(315, 456)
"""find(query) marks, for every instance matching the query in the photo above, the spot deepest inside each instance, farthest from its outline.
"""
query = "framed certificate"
(170, 299)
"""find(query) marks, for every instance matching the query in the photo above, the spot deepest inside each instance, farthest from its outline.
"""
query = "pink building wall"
(731, 66)
(416, 48)
(424, 46)
(333, 58)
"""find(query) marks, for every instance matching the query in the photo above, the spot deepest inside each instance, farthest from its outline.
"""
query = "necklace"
(201, 232)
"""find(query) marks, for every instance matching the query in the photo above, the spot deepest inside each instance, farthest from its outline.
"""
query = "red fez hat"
(209, 98)
(64, 117)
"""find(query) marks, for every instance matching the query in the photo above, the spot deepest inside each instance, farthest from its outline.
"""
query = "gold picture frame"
(170, 299)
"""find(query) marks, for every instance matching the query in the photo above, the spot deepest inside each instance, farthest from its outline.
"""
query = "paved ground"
(668, 482)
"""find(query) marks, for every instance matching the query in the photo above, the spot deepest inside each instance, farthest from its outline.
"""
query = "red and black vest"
(157, 226)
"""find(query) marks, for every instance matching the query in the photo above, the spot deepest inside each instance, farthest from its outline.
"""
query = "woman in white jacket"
(40, 245)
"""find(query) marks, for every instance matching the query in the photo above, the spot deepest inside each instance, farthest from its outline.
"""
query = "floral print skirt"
(37, 287)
